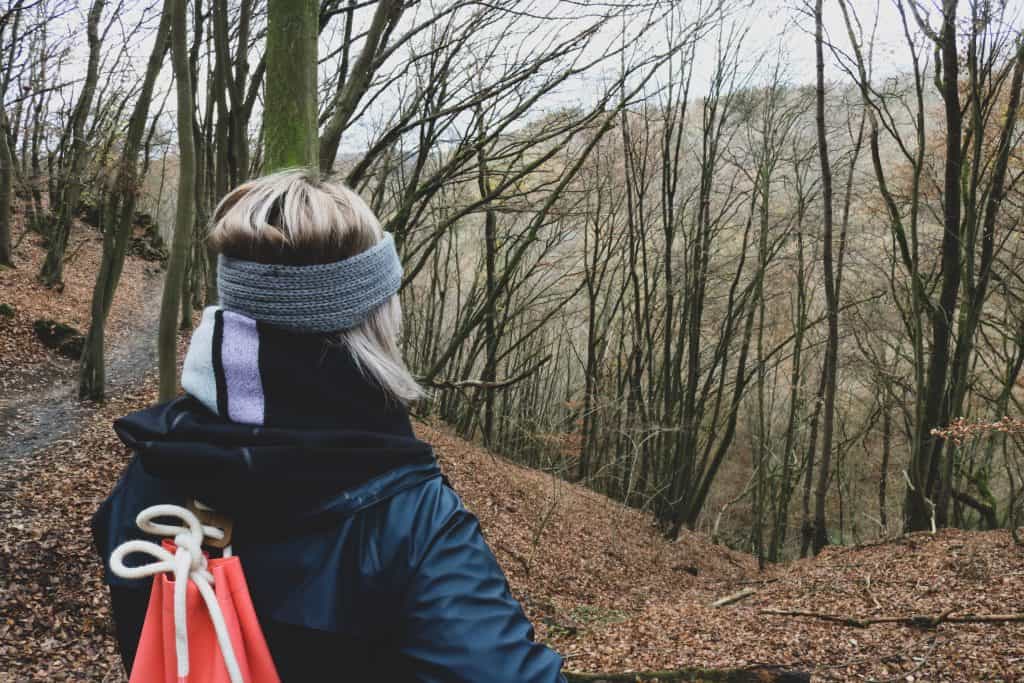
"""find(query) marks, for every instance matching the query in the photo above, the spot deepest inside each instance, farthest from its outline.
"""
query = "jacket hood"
(280, 474)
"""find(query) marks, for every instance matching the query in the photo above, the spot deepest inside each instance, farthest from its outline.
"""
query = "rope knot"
(188, 563)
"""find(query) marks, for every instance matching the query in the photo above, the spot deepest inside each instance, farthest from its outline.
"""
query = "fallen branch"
(735, 597)
(834, 618)
(987, 618)
(756, 674)
(917, 620)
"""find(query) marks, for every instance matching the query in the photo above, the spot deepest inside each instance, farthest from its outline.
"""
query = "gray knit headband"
(318, 298)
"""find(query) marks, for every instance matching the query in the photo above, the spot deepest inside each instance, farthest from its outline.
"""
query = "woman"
(361, 560)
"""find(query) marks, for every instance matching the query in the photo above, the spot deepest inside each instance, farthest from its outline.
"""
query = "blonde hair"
(293, 217)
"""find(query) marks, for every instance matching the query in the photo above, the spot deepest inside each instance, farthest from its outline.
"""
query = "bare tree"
(354, 83)
(118, 218)
(831, 293)
(71, 181)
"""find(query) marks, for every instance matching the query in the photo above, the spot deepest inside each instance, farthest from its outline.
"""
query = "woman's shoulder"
(415, 515)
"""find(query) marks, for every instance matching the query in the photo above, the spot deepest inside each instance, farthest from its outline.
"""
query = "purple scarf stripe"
(240, 353)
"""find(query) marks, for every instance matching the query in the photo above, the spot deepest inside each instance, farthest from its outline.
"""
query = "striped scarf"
(250, 372)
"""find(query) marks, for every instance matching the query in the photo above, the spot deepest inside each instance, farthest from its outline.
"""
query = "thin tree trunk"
(186, 206)
(831, 298)
(796, 386)
(37, 217)
(883, 478)
(490, 320)
(6, 195)
(52, 273)
(230, 89)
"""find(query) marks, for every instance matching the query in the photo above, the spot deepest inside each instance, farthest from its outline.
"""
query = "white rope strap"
(187, 563)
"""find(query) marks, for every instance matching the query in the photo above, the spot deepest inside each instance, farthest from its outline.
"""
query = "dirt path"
(44, 408)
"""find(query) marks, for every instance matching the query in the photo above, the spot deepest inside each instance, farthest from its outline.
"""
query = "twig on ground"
(735, 597)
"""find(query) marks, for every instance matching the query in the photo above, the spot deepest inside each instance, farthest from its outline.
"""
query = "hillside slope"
(612, 595)
(600, 585)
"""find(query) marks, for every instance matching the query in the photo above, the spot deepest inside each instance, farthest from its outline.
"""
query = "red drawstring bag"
(200, 625)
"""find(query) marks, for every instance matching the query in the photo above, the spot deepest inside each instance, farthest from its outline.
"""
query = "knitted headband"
(318, 298)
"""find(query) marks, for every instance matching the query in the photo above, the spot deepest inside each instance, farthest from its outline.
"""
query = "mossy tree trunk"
(185, 208)
(117, 223)
(290, 110)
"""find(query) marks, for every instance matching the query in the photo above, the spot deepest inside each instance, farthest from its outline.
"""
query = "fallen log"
(756, 674)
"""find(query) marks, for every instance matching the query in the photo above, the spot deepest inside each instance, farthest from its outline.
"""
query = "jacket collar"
(271, 474)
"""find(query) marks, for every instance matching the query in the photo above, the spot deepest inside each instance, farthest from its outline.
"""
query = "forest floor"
(601, 585)
(38, 387)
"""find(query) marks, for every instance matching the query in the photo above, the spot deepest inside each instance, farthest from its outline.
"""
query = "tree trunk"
(975, 292)
(117, 223)
(52, 273)
(36, 218)
(924, 470)
(290, 110)
(490, 316)
(883, 478)
(186, 206)
(230, 85)
(6, 176)
(831, 298)
(796, 386)
(7, 140)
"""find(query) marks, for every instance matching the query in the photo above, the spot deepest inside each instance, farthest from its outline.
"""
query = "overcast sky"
(777, 31)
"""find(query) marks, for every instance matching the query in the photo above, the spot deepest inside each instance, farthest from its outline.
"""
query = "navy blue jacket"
(361, 560)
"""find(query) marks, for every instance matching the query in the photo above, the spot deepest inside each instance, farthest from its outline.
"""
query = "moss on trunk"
(290, 115)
